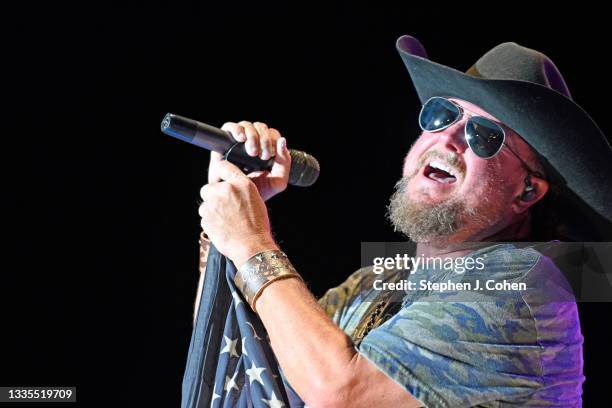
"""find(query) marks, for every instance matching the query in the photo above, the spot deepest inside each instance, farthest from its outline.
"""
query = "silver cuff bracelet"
(260, 271)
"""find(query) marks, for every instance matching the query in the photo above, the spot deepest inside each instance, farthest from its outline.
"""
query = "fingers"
(238, 133)
(282, 161)
(260, 140)
(252, 139)
(204, 191)
(215, 158)
(230, 172)
(232, 183)
(267, 140)
(201, 210)
(236, 130)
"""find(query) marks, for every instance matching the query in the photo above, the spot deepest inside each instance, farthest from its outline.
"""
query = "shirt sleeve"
(520, 349)
(451, 354)
(338, 302)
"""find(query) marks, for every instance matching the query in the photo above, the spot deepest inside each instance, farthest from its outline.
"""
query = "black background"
(100, 208)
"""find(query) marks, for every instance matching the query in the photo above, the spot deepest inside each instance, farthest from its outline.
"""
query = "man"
(496, 143)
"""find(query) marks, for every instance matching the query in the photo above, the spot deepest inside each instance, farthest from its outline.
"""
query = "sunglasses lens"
(437, 114)
(484, 137)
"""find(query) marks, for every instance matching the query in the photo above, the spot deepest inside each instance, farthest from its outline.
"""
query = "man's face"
(472, 202)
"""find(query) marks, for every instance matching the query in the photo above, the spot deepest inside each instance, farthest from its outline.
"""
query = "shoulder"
(511, 260)
(346, 303)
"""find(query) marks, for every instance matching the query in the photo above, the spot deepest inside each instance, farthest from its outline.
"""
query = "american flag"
(230, 361)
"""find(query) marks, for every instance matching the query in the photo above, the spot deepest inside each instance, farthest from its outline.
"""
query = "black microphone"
(304, 167)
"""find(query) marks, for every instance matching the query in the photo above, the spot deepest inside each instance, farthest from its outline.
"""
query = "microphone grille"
(304, 169)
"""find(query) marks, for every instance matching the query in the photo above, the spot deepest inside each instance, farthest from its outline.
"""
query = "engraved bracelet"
(261, 270)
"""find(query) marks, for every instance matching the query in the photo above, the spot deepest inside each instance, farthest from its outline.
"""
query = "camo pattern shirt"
(485, 349)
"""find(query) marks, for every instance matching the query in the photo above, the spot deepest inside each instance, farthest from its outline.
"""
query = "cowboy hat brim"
(573, 146)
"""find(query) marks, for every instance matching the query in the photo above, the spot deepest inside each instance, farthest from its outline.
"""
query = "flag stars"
(230, 347)
(254, 374)
(273, 402)
(231, 383)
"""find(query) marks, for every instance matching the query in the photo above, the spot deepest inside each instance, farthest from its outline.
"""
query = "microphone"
(304, 167)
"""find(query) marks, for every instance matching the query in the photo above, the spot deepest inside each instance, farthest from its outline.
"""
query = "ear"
(534, 190)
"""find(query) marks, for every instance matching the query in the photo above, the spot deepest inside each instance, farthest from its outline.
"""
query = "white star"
(230, 346)
(254, 332)
(231, 383)
(243, 348)
(273, 402)
(254, 374)
(236, 297)
(215, 396)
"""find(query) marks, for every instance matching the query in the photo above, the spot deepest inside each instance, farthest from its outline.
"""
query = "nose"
(453, 137)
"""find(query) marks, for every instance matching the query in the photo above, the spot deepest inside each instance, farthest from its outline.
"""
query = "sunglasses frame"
(470, 115)
(463, 111)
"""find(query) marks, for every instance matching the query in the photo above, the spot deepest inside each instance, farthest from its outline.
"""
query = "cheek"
(475, 187)
(484, 183)
(419, 147)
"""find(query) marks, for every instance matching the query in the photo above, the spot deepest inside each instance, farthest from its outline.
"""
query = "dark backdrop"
(100, 208)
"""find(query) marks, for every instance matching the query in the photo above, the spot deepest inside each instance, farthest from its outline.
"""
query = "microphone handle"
(304, 167)
(214, 139)
(238, 155)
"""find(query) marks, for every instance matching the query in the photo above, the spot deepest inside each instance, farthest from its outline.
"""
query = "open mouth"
(440, 172)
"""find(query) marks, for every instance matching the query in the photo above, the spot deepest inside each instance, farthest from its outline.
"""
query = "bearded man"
(505, 155)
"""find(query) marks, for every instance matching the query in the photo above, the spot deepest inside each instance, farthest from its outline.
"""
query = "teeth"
(443, 167)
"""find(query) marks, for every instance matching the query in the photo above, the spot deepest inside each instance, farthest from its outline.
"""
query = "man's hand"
(260, 141)
(234, 216)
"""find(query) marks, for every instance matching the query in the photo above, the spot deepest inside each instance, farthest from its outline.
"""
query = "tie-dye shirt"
(485, 348)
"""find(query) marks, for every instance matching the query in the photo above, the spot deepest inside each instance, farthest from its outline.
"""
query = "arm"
(260, 141)
(317, 358)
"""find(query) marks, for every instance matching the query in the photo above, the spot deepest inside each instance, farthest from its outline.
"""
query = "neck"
(517, 230)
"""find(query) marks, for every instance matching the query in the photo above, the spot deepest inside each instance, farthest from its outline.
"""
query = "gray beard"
(427, 222)
(420, 222)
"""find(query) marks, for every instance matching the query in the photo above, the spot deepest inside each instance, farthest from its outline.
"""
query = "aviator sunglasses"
(484, 136)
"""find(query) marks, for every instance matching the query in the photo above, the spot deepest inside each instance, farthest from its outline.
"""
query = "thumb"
(215, 158)
(229, 172)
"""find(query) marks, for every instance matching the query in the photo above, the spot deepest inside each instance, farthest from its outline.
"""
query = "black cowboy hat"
(524, 89)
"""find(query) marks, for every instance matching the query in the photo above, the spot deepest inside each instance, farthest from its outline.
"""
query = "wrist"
(250, 248)
(260, 271)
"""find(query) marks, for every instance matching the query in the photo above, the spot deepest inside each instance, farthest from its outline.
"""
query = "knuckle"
(243, 181)
(274, 134)
(226, 187)
(232, 188)
(224, 167)
(265, 141)
(252, 134)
